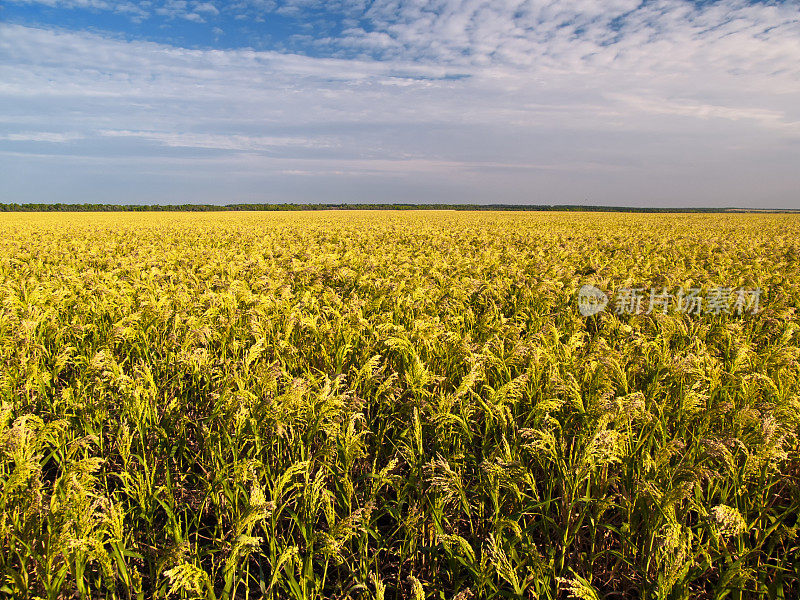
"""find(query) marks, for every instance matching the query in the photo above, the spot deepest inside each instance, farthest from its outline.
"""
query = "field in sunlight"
(421, 404)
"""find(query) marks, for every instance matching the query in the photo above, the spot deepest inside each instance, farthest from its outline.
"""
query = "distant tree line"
(63, 207)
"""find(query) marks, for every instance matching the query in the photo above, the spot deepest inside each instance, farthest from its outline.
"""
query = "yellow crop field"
(409, 404)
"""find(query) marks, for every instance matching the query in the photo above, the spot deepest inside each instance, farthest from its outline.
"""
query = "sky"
(605, 102)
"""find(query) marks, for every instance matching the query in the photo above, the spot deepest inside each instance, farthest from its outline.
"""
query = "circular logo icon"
(591, 300)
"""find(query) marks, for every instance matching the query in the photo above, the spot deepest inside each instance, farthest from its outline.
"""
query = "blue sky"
(663, 102)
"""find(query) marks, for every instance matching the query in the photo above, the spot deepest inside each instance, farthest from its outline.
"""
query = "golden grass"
(349, 404)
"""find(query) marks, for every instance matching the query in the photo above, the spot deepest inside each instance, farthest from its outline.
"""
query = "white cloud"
(97, 4)
(218, 141)
(206, 7)
(41, 136)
